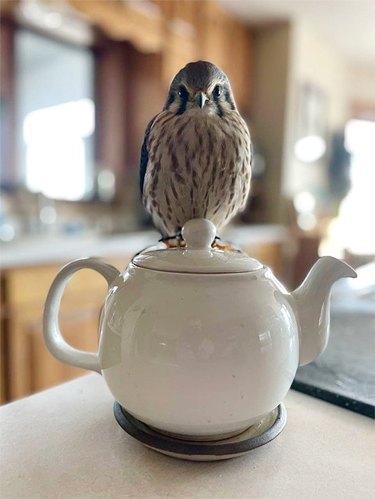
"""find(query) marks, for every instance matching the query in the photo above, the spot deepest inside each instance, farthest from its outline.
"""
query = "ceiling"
(348, 24)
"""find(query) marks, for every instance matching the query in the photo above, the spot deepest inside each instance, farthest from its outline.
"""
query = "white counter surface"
(65, 443)
(59, 249)
(43, 249)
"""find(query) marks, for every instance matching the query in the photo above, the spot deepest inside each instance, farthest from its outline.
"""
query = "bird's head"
(200, 86)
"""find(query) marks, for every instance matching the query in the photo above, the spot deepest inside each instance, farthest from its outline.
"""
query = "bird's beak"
(202, 98)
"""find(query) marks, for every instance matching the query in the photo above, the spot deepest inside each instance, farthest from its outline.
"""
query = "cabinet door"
(270, 254)
(80, 328)
(32, 367)
(29, 366)
(3, 361)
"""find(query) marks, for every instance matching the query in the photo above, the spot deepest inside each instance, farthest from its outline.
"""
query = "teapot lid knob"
(199, 257)
(199, 233)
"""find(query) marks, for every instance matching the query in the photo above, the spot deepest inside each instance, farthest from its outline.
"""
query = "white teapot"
(196, 341)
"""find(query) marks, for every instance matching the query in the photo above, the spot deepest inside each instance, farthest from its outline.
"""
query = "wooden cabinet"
(203, 30)
(180, 31)
(137, 22)
(180, 36)
(27, 365)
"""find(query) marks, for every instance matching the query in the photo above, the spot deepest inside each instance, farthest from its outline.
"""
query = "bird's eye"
(217, 91)
(182, 92)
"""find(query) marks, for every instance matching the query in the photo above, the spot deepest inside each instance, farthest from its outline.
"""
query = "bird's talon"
(225, 247)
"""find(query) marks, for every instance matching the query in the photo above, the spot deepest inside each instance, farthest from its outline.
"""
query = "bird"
(196, 155)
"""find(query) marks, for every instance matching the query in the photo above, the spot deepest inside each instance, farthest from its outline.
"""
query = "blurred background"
(80, 80)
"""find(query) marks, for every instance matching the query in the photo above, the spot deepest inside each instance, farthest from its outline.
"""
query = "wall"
(312, 60)
(361, 90)
(287, 56)
(268, 112)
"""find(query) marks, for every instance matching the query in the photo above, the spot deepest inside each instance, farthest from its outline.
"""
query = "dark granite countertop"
(347, 367)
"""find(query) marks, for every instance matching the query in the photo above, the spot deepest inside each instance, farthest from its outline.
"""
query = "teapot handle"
(56, 344)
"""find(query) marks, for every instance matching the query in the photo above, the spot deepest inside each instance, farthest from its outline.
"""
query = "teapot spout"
(312, 303)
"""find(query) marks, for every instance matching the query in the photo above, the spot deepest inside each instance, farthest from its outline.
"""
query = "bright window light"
(353, 229)
(309, 149)
(56, 150)
(304, 202)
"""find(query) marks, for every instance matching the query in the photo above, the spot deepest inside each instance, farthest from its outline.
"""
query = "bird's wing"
(144, 155)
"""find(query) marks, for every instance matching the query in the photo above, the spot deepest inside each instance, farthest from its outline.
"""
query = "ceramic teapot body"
(202, 353)
(188, 355)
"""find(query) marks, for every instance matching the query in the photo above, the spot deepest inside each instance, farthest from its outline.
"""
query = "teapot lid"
(198, 257)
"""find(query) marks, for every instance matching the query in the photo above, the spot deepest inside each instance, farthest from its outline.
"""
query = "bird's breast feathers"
(199, 164)
(195, 137)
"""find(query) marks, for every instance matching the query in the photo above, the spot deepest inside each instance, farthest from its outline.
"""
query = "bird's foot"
(173, 242)
(222, 246)
(176, 241)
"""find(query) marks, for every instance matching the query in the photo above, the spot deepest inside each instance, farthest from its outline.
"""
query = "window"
(359, 204)
(345, 372)
(55, 117)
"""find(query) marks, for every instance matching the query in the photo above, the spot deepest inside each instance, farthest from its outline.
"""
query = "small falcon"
(196, 155)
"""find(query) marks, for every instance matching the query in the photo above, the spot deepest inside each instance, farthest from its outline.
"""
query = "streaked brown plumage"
(196, 157)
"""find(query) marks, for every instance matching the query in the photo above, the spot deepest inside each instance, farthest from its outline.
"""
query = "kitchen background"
(80, 79)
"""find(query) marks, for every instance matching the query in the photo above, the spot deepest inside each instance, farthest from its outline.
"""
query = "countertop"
(65, 443)
(44, 249)
(58, 248)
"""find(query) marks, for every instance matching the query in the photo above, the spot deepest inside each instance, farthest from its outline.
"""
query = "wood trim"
(111, 111)
(8, 171)
(4, 367)
(145, 98)
(123, 22)
(8, 8)
(363, 110)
